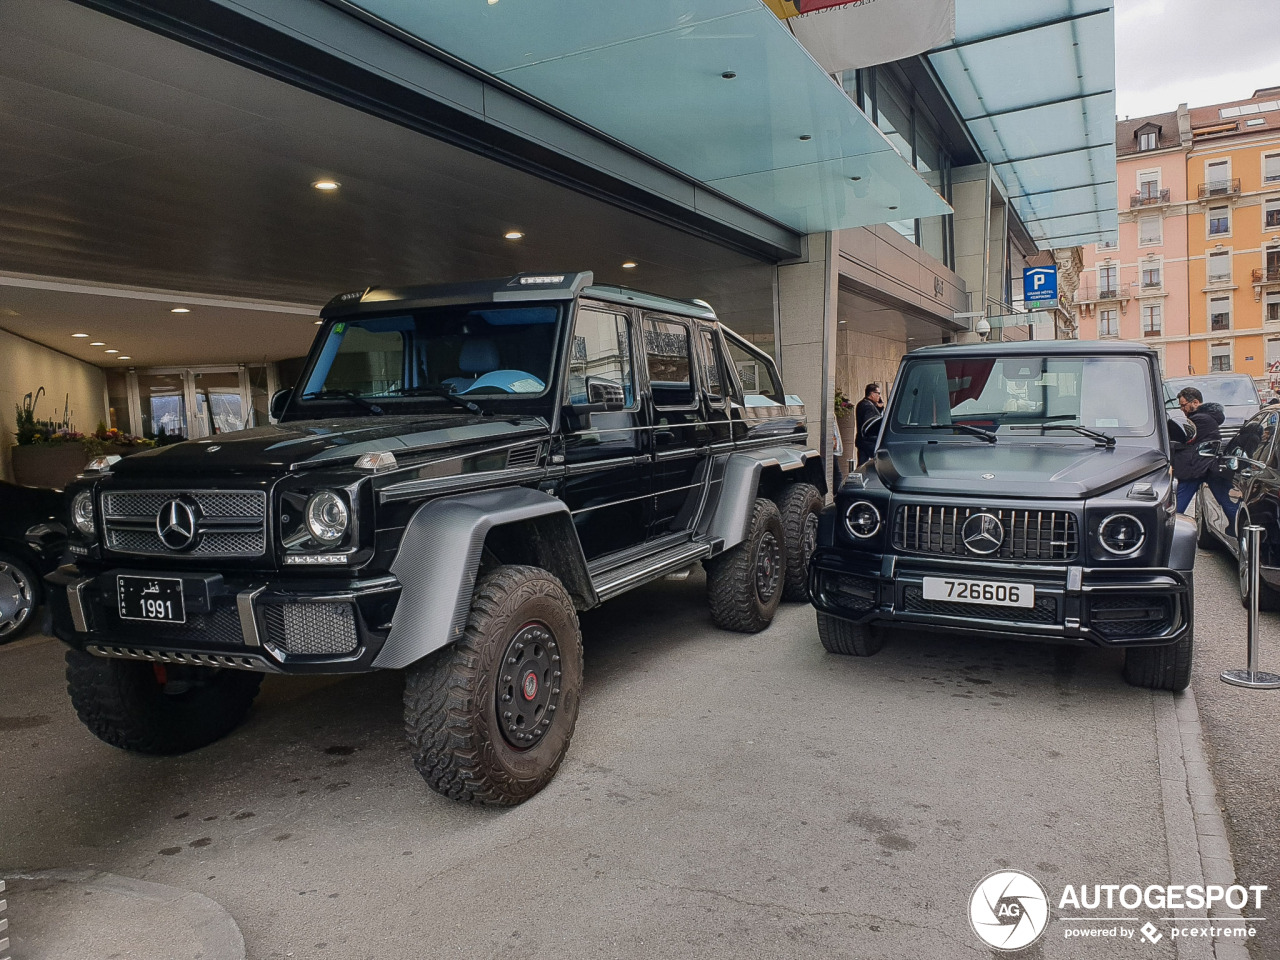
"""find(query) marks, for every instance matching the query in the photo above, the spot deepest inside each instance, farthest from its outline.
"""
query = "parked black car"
(1251, 461)
(1236, 392)
(32, 541)
(1018, 490)
(459, 471)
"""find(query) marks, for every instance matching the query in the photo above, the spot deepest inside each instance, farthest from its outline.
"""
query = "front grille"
(1031, 535)
(230, 523)
(856, 594)
(220, 627)
(1045, 610)
(311, 628)
(1122, 618)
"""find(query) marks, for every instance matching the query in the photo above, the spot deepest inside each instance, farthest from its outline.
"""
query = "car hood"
(308, 444)
(1019, 469)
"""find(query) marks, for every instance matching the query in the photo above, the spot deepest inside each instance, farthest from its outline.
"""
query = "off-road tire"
(737, 601)
(15, 574)
(1205, 538)
(124, 702)
(451, 698)
(799, 504)
(1160, 668)
(849, 639)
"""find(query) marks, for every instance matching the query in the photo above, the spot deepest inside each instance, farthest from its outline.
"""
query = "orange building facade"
(1196, 271)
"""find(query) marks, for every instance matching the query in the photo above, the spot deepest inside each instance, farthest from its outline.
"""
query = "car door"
(1255, 482)
(760, 411)
(607, 468)
(677, 427)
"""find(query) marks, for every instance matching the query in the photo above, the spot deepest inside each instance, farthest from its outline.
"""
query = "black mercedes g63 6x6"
(459, 470)
(1017, 490)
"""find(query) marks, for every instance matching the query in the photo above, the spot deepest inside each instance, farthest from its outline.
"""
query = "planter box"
(55, 466)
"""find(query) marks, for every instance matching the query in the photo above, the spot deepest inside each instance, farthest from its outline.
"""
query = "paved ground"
(725, 795)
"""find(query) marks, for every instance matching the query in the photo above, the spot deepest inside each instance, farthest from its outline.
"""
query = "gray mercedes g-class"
(459, 470)
(1017, 490)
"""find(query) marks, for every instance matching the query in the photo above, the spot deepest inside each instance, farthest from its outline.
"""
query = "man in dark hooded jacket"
(1189, 468)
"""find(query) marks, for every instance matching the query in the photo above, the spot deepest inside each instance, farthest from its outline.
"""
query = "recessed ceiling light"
(326, 185)
(893, 206)
(513, 235)
(84, 335)
(629, 265)
(318, 322)
(98, 343)
(855, 179)
(728, 75)
(124, 358)
(180, 310)
(805, 136)
(113, 351)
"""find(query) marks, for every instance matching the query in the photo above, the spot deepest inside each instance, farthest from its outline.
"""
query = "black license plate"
(153, 599)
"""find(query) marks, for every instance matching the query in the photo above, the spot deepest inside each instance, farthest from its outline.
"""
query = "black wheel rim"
(768, 567)
(809, 537)
(528, 688)
(17, 599)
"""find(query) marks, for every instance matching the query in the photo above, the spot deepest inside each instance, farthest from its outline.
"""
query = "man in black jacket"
(1189, 468)
(871, 405)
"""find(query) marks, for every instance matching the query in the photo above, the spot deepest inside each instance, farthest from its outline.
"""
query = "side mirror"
(1209, 448)
(279, 401)
(607, 392)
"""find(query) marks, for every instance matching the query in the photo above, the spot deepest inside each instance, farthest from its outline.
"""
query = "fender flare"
(729, 521)
(1182, 549)
(439, 558)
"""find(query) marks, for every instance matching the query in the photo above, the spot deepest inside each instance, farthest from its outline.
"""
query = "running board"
(622, 579)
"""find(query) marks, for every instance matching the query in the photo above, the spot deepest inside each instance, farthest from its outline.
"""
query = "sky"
(1197, 52)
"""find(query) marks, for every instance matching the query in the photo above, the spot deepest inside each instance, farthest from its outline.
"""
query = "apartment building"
(1195, 270)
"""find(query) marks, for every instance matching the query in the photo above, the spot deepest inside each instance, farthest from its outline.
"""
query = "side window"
(666, 347)
(715, 367)
(759, 384)
(600, 367)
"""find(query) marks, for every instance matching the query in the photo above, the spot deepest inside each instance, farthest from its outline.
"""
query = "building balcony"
(1268, 275)
(1148, 198)
(1091, 292)
(1219, 188)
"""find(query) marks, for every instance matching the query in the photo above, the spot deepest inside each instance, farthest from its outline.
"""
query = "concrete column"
(807, 342)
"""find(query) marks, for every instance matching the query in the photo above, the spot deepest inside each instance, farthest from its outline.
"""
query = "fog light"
(862, 520)
(1122, 534)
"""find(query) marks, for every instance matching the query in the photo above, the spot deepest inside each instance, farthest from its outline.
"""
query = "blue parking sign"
(1040, 287)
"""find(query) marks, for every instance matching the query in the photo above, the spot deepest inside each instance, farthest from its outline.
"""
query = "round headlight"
(1122, 534)
(862, 520)
(327, 516)
(82, 512)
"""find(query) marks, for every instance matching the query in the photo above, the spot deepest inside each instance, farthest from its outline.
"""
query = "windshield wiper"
(986, 435)
(344, 395)
(440, 390)
(1103, 438)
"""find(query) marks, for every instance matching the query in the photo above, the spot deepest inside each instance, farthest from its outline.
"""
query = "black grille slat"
(1029, 535)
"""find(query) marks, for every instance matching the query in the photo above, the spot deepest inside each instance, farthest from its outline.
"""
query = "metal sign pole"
(1253, 677)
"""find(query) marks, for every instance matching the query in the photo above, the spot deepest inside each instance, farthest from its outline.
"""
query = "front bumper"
(291, 626)
(1111, 607)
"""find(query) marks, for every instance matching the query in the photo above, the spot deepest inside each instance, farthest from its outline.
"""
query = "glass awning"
(718, 90)
(1035, 83)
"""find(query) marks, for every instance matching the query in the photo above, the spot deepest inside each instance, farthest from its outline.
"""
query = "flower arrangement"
(50, 433)
(844, 406)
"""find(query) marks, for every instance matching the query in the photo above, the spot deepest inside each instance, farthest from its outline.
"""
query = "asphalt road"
(724, 796)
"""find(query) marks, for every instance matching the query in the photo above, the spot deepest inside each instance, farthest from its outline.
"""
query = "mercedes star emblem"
(176, 525)
(982, 533)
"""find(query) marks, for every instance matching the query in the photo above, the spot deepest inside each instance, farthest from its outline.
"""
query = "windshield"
(1010, 394)
(485, 353)
(1228, 391)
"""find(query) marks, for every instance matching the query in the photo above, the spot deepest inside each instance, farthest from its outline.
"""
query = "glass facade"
(914, 133)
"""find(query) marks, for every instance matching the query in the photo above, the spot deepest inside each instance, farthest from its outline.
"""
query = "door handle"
(666, 436)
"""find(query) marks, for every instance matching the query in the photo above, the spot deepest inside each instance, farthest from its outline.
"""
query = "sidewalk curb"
(1195, 834)
(217, 933)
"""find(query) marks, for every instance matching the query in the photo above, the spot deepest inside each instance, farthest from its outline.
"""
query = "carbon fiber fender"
(742, 475)
(440, 555)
